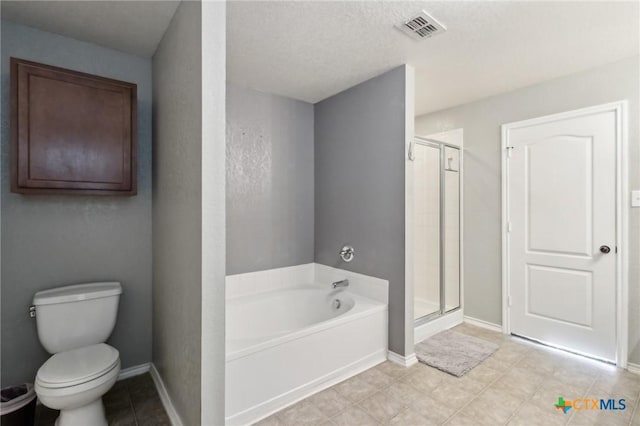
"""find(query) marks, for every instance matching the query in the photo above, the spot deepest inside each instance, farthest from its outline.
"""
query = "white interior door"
(561, 242)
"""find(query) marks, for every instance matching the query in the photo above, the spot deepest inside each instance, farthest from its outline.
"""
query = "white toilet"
(73, 324)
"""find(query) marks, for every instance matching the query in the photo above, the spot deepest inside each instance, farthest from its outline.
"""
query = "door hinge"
(509, 301)
(509, 226)
(509, 149)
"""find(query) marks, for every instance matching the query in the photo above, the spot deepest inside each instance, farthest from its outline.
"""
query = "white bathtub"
(286, 344)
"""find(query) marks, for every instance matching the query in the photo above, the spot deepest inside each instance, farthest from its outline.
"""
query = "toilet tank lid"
(77, 292)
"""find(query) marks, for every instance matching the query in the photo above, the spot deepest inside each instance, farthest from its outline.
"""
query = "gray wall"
(481, 121)
(177, 211)
(48, 241)
(269, 181)
(360, 185)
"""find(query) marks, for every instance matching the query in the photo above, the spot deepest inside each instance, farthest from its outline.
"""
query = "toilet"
(73, 323)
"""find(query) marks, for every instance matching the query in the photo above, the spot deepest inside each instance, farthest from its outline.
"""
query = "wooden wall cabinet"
(72, 133)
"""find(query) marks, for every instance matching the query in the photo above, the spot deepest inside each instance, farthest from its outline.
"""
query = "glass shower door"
(436, 237)
(427, 230)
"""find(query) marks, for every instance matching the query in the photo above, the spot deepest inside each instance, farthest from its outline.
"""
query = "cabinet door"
(73, 133)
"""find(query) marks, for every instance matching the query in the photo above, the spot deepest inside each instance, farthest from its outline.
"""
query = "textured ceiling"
(130, 26)
(310, 50)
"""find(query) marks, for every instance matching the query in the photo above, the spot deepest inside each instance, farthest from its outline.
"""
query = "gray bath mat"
(453, 352)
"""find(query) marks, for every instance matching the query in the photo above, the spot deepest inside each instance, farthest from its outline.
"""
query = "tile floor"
(518, 385)
(131, 402)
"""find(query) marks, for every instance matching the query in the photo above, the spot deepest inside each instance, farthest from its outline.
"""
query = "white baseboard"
(437, 325)
(164, 397)
(483, 324)
(405, 361)
(633, 368)
(267, 408)
(136, 370)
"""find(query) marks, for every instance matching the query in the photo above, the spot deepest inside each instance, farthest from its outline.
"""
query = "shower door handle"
(412, 155)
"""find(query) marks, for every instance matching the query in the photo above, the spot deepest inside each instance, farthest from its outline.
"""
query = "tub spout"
(342, 283)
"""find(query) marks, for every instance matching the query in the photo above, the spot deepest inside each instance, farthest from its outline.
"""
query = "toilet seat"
(77, 366)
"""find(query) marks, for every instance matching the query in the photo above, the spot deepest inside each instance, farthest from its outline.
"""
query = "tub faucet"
(342, 283)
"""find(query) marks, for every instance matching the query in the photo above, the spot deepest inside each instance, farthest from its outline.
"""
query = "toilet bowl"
(73, 324)
(75, 381)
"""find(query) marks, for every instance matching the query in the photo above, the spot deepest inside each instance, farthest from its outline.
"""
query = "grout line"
(584, 395)
(635, 411)
(484, 389)
(383, 388)
(529, 351)
(525, 400)
(132, 408)
(397, 380)
(530, 398)
(521, 404)
(350, 403)
(358, 404)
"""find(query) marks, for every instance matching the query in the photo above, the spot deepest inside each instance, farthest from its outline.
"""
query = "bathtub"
(286, 344)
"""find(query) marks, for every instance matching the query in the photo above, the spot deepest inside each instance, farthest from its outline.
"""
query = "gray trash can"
(18, 405)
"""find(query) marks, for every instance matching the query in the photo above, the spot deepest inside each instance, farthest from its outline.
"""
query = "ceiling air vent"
(422, 26)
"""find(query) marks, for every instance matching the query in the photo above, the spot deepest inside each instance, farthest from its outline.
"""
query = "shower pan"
(436, 234)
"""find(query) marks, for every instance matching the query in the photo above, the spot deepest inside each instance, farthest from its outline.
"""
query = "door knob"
(605, 249)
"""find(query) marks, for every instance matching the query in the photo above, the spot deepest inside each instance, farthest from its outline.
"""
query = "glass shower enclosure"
(436, 228)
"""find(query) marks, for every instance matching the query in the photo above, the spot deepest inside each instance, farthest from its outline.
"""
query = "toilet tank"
(74, 316)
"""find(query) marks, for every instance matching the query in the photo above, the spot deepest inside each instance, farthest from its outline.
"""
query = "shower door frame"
(440, 145)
